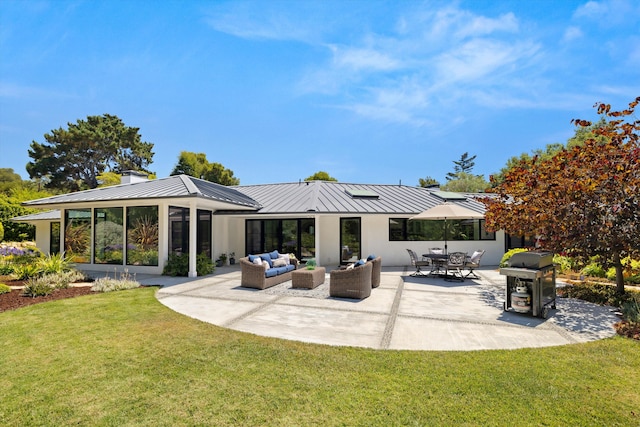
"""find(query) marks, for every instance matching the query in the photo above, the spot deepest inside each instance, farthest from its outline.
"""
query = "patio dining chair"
(417, 264)
(472, 263)
(455, 264)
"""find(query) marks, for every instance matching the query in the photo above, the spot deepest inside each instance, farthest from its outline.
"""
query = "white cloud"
(240, 19)
(609, 12)
(366, 59)
(591, 9)
(12, 90)
(480, 25)
(432, 61)
(572, 33)
(479, 59)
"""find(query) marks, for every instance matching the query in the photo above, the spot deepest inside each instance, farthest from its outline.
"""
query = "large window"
(108, 236)
(54, 238)
(401, 229)
(77, 235)
(286, 235)
(204, 233)
(179, 231)
(142, 235)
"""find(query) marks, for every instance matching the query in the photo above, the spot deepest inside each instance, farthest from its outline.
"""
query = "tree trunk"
(619, 276)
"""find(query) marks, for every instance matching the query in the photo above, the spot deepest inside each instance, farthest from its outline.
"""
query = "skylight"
(449, 195)
(361, 194)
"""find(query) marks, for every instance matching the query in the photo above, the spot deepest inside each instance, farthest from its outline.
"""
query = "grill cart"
(531, 283)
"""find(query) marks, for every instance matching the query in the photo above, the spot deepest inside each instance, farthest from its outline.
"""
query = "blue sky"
(375, 92)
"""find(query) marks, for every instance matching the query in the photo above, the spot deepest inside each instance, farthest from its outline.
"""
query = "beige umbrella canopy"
(446, 211)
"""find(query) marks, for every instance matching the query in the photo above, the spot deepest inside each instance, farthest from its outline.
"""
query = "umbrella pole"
(445, 236)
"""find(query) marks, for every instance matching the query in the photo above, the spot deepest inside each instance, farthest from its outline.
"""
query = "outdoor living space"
(404, 312)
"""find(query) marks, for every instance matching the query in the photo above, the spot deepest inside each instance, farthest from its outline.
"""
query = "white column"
(316, 232)
(163, 234)
(193, 238)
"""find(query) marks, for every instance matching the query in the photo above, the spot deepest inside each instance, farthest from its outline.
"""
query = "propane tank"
(521, 300)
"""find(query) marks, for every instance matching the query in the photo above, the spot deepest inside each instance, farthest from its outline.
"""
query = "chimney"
(131, 177)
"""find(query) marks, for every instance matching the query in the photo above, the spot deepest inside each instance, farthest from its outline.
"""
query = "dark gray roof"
(288, 198)
(171, 187)
(52, 215)
(334, 197)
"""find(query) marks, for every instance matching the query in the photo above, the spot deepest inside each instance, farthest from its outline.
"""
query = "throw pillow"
(359, 263)
(257, 260)
(274, 255)
(279, 262)
(286, 258)
(267, 257)
(350, 266)
(265, 264)
(252, 258)
(371, 257)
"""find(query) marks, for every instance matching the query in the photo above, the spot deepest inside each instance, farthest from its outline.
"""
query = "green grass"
(122, 358)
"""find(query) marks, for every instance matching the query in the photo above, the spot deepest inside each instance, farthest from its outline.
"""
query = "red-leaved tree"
(585, 200)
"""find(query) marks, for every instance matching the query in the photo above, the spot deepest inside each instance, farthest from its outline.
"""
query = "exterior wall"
(230, 234)
(375, 240)
(43, 236)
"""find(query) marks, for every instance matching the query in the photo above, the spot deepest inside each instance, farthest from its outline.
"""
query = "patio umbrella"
(446, 211)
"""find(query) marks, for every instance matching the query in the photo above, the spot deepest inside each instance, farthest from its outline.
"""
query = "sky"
(376, 92)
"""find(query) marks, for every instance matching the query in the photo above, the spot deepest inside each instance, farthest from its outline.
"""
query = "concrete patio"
(404, 313)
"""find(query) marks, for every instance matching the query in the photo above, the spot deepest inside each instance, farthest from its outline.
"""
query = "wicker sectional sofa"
(255, 276)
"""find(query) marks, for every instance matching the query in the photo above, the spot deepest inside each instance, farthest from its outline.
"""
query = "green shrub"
(630, 271)
(594, 269)
(507, 256)
(599, 293)
(631, 309)
(25, 271)
(178, 265)
(204, 265)
(63, 279)
(563, 263)
(1, 232)
(56, 263)
(6, 268)
(35, 287)
(4, 289)
(108, 284)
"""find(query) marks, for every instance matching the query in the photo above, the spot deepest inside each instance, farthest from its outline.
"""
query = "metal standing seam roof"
(321, 197)
(333, 197)
(176, 186)
(51, 215)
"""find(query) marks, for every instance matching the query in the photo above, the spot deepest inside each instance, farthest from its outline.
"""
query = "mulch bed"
(628, 329)
(14, 299)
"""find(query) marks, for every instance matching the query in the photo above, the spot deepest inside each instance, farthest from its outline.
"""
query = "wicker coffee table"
(308, 279)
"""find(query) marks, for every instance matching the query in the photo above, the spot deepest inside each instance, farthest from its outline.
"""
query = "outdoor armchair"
(417, 264)
(376, 268)
(455, 264)
(351, 283)
(472, 263)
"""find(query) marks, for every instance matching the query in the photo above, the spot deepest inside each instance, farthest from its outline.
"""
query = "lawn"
(122, 358)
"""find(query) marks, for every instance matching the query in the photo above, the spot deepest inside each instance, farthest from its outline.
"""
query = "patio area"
(404, 313)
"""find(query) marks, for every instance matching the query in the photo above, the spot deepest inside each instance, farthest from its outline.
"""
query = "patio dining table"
(438, 264)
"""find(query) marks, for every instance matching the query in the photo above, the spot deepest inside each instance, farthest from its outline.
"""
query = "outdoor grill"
(531, 283)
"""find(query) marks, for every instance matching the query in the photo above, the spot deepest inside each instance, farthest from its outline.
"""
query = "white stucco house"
(137, 224)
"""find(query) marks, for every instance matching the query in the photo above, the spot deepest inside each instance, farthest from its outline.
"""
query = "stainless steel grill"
(531, 283)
